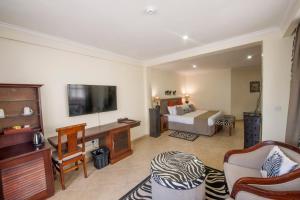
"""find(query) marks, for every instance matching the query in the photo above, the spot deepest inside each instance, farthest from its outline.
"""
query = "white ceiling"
(122, 27)
(229, 58)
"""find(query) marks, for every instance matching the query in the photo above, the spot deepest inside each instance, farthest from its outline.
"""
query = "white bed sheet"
(188, 118)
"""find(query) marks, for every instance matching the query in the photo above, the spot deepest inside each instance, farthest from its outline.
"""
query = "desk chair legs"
(62, 177)
(84, 167)
(62, 171)
(76, 164)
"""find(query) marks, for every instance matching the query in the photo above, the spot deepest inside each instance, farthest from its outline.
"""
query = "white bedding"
(188, 118)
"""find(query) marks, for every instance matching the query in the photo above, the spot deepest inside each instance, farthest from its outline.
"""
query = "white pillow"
(186, 108)
(277, 164)
(172, 110)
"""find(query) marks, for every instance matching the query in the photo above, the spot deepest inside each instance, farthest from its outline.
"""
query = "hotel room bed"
(199, 121)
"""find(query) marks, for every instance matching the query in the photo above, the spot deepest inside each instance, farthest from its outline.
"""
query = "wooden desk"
(116, 136)
(26, 172)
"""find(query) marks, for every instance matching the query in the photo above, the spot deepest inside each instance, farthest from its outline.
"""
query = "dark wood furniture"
(164, 103)
(252, 129)
(26, 172)
(13, 99)
(115, 136)
(72, 154)
(248, 183)
(154, 117)
(163, 123)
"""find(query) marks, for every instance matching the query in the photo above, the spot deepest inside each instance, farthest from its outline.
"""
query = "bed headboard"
(164, 103)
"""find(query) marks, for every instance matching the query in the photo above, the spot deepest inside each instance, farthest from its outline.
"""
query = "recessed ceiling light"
(185, 37)
(150, 10)
(194, 66)
(249, 57)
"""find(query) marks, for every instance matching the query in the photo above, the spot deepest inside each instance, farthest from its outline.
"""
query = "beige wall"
(210, 90)
(276, 86)
(241, 98)
(162, 80)
(26, 63)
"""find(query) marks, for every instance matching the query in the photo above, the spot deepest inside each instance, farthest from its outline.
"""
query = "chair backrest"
(72, 135)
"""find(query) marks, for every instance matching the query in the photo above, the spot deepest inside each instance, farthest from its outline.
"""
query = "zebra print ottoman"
(226, 121)
(177, 176)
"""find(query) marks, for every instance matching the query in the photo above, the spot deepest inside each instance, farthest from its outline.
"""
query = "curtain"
(293, 122)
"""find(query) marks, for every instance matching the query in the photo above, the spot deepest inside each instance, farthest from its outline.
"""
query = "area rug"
(184, 135)
(215, 187)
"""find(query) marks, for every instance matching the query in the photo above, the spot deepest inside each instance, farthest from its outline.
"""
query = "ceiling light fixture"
(194, 66)
(185, 37)
(150, 10)
(249, 57)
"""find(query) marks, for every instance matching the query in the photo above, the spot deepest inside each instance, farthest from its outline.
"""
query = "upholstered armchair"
(244, 180)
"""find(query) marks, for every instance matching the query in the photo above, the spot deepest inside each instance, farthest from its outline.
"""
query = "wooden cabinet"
(25, 172)
(252, 129)
(119, 144)
(163, 123)
(13, 99)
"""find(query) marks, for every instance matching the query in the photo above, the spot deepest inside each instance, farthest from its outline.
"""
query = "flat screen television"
(87, 99)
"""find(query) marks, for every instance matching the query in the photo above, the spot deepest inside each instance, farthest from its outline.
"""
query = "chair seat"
(55, 156)
(234, 172)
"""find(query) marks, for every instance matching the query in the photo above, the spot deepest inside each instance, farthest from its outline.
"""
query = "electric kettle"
(38, 139)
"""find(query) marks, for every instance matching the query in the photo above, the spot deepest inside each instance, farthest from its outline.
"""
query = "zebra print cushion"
(177, 170)
(277, 164)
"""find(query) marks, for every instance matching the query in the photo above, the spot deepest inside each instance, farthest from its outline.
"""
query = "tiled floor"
(114, 181)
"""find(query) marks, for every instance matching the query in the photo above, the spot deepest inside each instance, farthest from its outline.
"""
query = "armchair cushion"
(234, 172)
(277, 164)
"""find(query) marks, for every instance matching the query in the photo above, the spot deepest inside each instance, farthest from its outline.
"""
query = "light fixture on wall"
(156, 100)
(194, 66)
(249, 57)
(187, 98)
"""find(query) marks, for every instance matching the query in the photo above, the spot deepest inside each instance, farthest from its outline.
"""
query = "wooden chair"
(70, 153)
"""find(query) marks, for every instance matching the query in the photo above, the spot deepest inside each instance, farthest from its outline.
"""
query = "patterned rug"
(184, 135)
(215, 186)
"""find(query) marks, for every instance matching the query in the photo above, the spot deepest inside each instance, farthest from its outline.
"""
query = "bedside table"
(163, 123)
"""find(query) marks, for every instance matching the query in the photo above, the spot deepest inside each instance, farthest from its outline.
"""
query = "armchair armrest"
(254, 156)
(255, 186)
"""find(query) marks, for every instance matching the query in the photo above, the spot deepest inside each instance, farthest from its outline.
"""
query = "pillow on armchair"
(277, 164)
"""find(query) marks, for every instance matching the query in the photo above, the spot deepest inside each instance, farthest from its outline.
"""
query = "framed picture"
(254, 86)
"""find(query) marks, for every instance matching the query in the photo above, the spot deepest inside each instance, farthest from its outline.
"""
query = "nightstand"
(163, 123)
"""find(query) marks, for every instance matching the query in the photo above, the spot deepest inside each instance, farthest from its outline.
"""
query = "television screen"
(87, 99)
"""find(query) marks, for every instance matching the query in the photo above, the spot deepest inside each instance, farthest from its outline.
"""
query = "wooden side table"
(164, 123)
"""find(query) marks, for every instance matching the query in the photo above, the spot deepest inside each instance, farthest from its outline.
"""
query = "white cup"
(27, 111)
(2, 114)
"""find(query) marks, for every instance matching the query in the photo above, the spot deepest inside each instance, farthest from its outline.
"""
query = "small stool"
(226, 121)
(177, 176)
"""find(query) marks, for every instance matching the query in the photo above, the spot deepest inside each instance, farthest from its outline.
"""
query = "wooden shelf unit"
(13, 99)
(25, 171)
